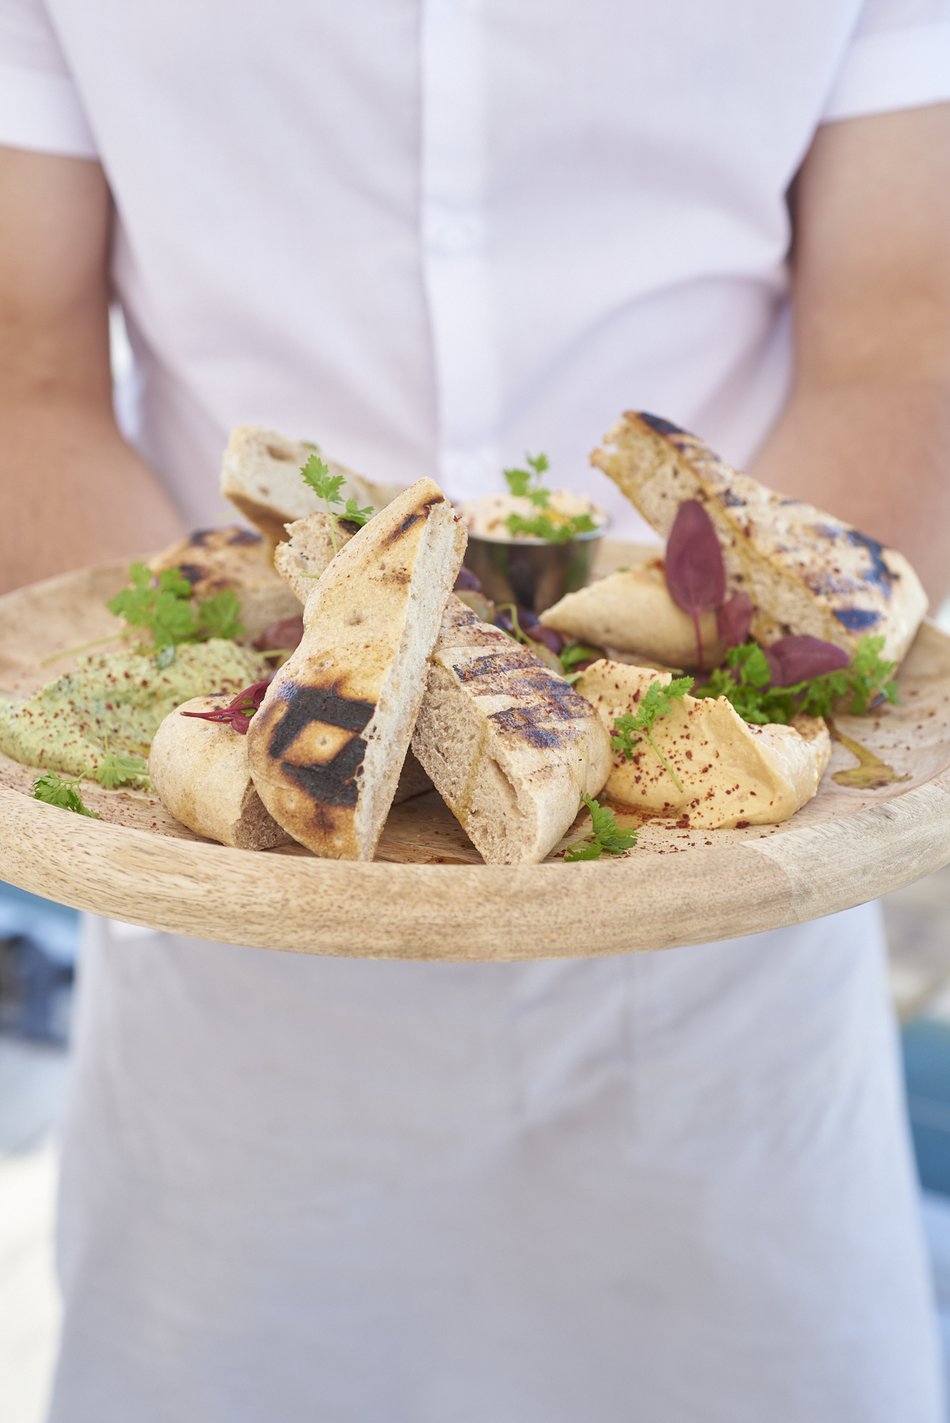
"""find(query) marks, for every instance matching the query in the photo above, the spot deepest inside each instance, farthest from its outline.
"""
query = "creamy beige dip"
(486, 516)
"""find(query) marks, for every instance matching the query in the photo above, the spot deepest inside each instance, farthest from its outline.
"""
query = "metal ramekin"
(529, 572)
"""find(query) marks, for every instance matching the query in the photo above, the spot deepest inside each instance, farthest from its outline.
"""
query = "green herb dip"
(116, 701)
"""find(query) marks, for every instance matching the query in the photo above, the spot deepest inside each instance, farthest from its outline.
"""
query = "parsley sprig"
(54, 790)
(113, 771)
(551, 526)
(608, 838)
(161, 604)
(116, 769)
(655, 702)
(327, 486)
(744, 681)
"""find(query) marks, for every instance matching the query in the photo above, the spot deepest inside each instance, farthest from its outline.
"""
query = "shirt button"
(452, 232)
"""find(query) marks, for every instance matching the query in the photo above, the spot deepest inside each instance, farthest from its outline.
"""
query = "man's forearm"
(72, 492)
(876, 452)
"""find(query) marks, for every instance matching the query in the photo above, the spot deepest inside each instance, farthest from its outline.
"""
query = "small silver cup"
(532, 574)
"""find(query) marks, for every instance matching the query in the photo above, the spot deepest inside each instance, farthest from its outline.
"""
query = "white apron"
(673, 1188)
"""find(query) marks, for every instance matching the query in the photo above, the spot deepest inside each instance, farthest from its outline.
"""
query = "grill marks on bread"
(510, 746)
(308, 708)
(805, 571)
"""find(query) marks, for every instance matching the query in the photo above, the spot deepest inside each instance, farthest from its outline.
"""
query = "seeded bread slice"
(260, 474)
(329, 741)
(805, 571)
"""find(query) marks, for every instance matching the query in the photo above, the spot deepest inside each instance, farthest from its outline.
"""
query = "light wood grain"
(427, 895)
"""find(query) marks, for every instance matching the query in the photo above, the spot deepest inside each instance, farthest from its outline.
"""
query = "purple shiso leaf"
(695, 572)
(734, 619)
(799, 658)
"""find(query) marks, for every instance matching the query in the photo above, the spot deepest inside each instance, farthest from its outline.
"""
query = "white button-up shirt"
(432, 235)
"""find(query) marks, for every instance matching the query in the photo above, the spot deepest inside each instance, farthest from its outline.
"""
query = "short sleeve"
(898, 58)
(40, 108)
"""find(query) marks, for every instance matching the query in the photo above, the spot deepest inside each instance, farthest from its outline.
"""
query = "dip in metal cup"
(533, 573)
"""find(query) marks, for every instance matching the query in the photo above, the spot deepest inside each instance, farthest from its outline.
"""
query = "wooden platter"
(427, 895)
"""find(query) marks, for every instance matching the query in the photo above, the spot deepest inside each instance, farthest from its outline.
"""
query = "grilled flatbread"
(329, 741)
(260, 474)
(236, 558)
(509, 745)
(200, 772)
(805, 571)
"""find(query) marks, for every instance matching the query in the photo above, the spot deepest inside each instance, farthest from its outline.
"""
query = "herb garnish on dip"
(531, 511)
(533, 544)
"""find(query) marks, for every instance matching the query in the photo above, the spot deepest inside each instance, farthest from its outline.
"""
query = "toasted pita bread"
(328, 744)
(805, 571)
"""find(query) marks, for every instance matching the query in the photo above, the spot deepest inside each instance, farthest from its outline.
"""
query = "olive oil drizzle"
(871, 773)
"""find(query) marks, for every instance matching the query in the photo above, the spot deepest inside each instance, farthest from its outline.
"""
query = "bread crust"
(260, 474)
(805, 571)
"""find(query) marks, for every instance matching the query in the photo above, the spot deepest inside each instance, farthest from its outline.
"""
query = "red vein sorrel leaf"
(734, 619)
(695, 572)
(799, 658)
(237, 714)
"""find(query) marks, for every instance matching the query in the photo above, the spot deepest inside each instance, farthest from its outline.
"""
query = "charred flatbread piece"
(805, 571)
(510, 746)
(260, 474)
(329, 741)
(200, 772)
(236, 558)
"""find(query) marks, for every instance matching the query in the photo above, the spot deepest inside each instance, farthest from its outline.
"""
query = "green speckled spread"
(116, 700)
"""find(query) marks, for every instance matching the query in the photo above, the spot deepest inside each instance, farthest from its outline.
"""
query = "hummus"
(115, 701)
(486, 517)
(730, 772)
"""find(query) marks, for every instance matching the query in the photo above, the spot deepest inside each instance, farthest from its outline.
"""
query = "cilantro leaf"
(607, 838)
(326, 486)
(52, 789)
(655, 702)
(518, 481)
(158, 603)
(220, 615)
(116, 770)
(542, 526)
(353, 514)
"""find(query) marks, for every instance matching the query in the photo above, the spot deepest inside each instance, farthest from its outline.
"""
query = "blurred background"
(38, 951)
